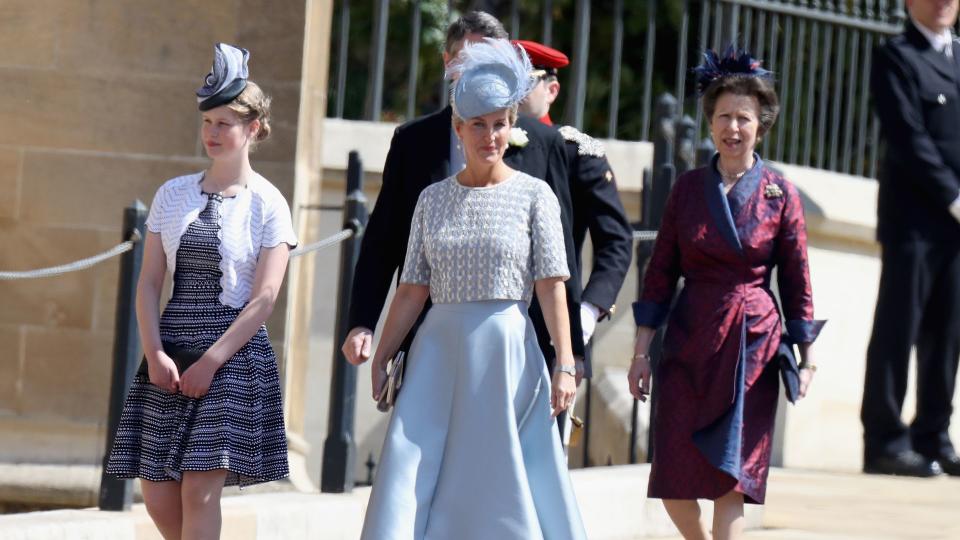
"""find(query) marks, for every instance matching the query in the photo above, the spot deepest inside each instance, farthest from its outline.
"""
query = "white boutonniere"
(518, 137)
(772, 191)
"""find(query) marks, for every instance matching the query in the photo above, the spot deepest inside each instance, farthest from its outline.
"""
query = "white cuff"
(595, 311)
(588, 320)
(955, 208)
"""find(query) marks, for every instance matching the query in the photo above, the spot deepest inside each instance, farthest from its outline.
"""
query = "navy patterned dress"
(238, 424)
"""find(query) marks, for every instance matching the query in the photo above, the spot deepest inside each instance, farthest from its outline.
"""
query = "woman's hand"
(806, 377)
(163, 374)
(638, 377)
(197, 378)
(808, 367)
(378, 378)
(563, 390)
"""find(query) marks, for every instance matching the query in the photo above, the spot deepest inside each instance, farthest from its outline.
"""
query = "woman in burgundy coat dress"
(725, 227)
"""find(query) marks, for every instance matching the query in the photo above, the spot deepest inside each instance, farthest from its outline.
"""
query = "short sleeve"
(416, 269)
(278, 225)
(548, 253)
(155, 216)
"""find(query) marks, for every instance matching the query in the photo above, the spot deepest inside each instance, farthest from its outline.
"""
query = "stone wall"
(98, 108)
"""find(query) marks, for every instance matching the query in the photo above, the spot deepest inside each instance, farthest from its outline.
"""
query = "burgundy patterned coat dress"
(716, 387)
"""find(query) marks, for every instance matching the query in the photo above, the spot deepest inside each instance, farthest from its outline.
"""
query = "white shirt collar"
(940, 42)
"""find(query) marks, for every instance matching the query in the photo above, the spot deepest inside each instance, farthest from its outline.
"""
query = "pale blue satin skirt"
(471, 450)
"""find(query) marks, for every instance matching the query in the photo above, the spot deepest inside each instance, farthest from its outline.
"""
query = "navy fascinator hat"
(227, 77)
(734, 63)
(490, 75)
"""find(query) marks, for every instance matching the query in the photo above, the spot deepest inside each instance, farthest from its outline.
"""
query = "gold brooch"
(772, 191)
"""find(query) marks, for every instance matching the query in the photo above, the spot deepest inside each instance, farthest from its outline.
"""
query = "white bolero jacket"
(257, 217)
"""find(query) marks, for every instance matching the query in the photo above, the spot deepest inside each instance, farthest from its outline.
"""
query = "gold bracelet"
(643, 356)
(811, 367)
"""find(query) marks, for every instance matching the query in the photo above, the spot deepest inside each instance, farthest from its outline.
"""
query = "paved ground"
(805, 505)
(801, 505)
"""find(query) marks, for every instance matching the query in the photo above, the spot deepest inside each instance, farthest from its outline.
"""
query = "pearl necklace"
(730, 179)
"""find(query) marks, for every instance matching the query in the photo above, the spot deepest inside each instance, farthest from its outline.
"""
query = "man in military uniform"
(915, 85)
(424, 151)
(596, 204)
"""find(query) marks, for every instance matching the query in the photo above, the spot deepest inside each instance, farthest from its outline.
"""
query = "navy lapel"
(956, 58)
(514, 157)
(937, 60)
(718, 205)
(745, 187)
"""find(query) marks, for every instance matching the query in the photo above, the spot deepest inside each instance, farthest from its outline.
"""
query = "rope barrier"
(119, 249)
(82, 264)
(644, 236)
(326, 242)
(124, 247)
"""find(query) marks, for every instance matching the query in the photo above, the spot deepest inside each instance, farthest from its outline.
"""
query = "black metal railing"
(820, 50)
(388, 55)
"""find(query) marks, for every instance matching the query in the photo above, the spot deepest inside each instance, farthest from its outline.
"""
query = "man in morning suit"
(424, 151)
(916, 91)
(596, 203)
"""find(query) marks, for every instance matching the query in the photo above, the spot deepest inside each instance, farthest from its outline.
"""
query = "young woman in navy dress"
(725, 227)
(225, 234)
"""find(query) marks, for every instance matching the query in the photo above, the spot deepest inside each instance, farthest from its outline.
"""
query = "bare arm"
(406, 307)
(271, 268)
(552, 295)
(638, 378)
(149, 285)
(807, 367)
(163, 372)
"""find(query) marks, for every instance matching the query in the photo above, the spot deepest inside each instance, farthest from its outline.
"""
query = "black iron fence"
(820, 52)
(388, 63)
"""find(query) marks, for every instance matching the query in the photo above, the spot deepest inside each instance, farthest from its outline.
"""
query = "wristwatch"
(569, 370)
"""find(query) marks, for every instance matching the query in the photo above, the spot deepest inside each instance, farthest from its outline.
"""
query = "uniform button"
(942, 99)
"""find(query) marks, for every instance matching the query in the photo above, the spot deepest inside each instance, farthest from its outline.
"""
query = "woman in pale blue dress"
(472, 450)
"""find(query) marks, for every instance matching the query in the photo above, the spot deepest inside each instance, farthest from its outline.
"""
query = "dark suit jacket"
(916, 93)
(597, 209)
(419, 155)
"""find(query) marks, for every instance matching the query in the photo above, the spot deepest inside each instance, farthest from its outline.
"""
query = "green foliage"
(433, 28)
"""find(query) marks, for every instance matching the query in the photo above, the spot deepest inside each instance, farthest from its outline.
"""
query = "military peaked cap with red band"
(543, 57)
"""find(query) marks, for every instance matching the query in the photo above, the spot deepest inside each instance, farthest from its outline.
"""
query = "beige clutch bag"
(388, 395)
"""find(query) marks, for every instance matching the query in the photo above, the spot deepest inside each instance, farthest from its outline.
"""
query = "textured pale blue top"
(491, 243)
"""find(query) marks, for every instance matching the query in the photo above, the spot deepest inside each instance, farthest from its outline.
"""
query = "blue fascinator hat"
(227, 77)
(733, 63)
(490, 75)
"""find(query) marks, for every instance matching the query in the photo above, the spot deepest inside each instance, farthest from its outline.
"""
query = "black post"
(664, 135)
(117, 494)
(339, 450)
(586, 423)
(705, 152)
(685, 154)
(632, 450)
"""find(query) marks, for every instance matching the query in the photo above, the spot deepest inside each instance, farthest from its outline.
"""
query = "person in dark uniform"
(596, 203)
(916, 93)
(425, 151)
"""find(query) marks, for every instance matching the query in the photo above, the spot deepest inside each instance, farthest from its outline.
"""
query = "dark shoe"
(950, 463)
(906, 463)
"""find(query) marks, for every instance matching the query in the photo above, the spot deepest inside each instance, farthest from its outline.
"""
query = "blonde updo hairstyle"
(253, 104)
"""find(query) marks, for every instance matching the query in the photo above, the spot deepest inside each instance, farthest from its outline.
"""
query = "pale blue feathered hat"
(490, 75)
